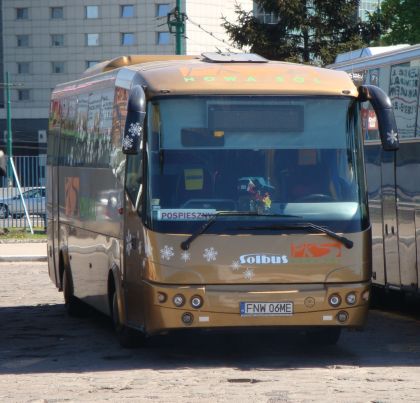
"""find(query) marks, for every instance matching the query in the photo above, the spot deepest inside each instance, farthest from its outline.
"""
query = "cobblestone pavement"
(46, 356)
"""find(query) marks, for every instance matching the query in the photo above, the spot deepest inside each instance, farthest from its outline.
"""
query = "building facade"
(365, 7)
(368, 7)
(46, 42)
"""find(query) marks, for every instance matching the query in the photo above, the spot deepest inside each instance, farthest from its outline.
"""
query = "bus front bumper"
(230, 306)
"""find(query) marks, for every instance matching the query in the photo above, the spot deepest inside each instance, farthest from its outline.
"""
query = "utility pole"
(9, 151)
(176, 25)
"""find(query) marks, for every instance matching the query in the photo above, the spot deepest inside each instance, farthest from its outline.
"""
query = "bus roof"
(388, 55)
(367, 52)
(225, 74)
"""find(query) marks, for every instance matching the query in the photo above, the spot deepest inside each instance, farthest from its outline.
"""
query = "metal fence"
(31, 174)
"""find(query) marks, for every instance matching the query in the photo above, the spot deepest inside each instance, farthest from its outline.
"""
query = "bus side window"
(133, 177)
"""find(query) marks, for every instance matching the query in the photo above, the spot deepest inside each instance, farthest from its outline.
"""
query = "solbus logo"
(265, 258)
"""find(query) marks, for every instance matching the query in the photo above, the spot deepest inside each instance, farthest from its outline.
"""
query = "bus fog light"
(342, 316)
(365, 295)
(162, 297)
(179, 300)
(351, 298)
(196, 302)
(334, 300)
(187, 318)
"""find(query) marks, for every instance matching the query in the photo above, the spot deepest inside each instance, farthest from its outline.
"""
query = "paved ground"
(46, 356)
(23, 251)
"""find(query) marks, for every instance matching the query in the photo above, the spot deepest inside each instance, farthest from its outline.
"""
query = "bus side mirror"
(136, 112)
(385, 114)
(2, 164)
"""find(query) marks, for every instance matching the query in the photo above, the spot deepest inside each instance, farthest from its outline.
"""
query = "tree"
(307, 31)
(399, 21)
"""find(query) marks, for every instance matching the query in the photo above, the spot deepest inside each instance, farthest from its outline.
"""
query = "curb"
(37, 258)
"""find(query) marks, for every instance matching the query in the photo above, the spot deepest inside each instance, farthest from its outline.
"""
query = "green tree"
(307, 31)
(399, 21)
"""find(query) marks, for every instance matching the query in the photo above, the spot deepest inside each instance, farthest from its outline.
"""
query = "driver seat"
(310, 180)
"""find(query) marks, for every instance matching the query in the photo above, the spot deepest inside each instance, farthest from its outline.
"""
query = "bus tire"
(74, 307)
(126, 336)
(326, 336)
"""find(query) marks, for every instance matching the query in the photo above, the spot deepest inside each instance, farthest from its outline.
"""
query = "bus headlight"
(334, 300)
(178, 300)
(187, 318)
(351, 298)
(196, 302)
(342, 316)
(162, 297)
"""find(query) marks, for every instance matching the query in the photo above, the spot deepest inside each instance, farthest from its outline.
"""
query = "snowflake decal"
(127, 142)
(392, 136)
(210, 254)
(249, 274)
(185, 256)
(167, 252)
(236, 265)
(129, 243)
(139, 247)
(135, 129)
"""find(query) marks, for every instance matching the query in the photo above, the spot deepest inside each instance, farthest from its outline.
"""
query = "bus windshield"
(276, 157)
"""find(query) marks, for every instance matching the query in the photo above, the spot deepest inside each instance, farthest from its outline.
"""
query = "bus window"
(278, 167)
(133, 177)
(403, 92)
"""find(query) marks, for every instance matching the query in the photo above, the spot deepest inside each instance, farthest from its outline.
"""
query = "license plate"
(266, 308)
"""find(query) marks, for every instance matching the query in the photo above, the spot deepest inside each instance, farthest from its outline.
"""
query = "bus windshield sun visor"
(186, 244)
(386, 120)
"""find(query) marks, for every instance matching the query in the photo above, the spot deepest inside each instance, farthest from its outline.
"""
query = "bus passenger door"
(390, 224)
(52, 205)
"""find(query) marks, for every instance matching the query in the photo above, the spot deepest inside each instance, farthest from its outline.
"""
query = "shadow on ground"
(39, 339)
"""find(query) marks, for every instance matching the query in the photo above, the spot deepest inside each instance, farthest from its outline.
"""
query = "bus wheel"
(325, 336)
(73, 305)
(127, 337)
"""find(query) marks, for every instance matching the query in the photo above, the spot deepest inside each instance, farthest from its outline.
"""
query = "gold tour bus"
(214, 192)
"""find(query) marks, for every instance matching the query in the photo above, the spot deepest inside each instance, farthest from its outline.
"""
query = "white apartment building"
(46, 42)
(368, 6)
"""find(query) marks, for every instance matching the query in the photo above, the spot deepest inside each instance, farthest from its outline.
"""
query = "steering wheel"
(315, 197)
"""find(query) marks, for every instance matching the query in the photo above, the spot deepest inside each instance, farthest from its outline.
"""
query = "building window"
(162, 10)
(23, 95)
(92, 39)
(265, 17)
(91, 63)
(127, 11)
(57, 40)
(57, 67)
(22, 13)
(23, 67)
(127, 38)
(22, 41)
(92, 12)
(163, 38)
(56, 13)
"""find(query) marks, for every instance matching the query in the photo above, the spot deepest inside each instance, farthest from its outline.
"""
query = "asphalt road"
(46, 356)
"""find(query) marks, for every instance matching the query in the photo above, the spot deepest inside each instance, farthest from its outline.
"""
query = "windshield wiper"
(307, 225)
(186, 244)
